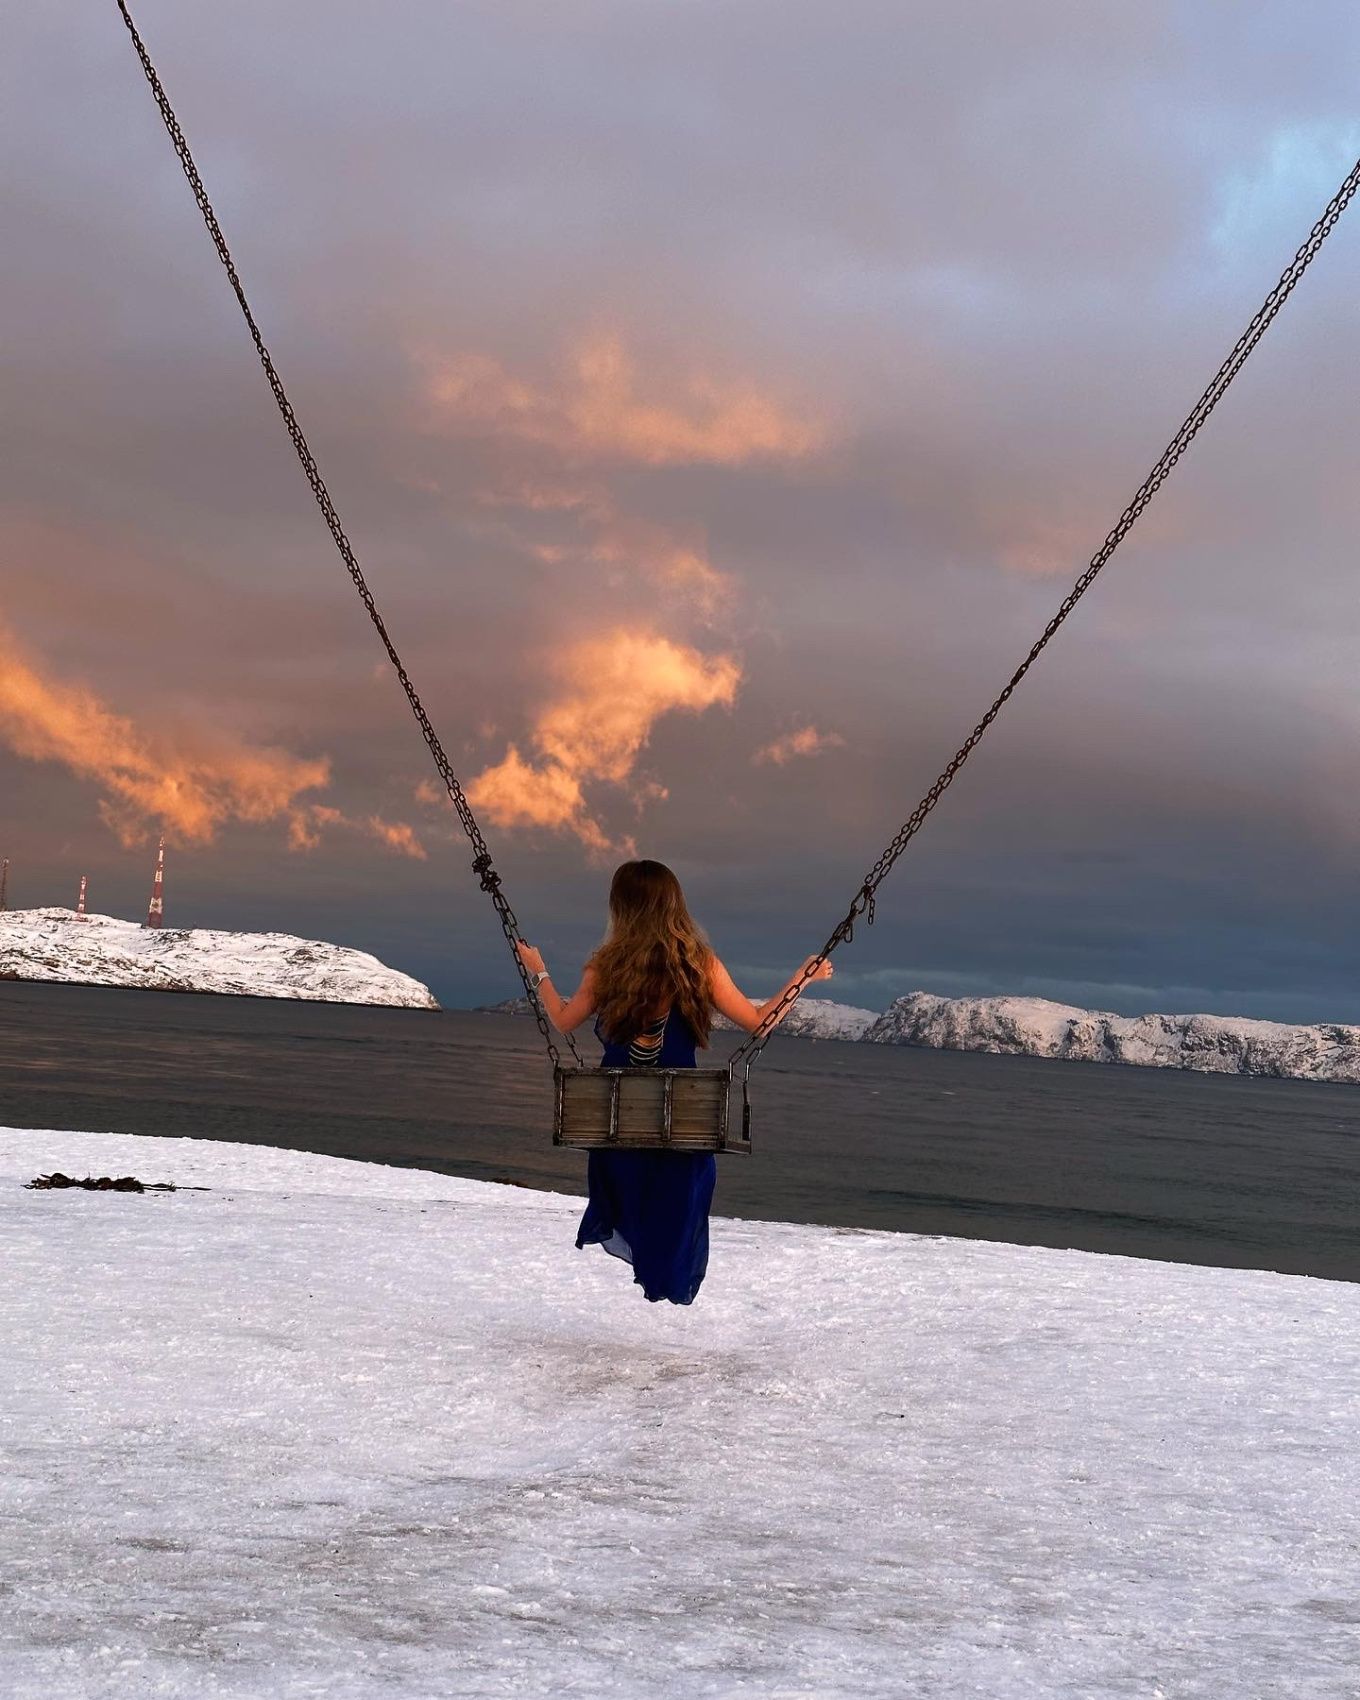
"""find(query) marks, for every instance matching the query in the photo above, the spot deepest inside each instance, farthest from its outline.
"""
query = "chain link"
(482, 864)
(863, 903)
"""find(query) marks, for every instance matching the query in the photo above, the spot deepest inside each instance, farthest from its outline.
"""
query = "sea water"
(1207, 1169)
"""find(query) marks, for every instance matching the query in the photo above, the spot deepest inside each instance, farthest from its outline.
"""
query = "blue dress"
(651, 1207)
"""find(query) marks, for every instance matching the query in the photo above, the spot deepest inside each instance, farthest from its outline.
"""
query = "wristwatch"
(536, 980)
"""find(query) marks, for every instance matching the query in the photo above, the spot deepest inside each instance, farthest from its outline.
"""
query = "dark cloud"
(986, 255)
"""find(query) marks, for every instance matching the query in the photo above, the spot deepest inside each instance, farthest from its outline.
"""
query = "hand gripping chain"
(864, 898)
(481, 864)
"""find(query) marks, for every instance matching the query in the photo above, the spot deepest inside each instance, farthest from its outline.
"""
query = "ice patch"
(332, 1429)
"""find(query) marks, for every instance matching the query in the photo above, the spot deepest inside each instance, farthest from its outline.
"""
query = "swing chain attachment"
(482, 866)
(755, 1042)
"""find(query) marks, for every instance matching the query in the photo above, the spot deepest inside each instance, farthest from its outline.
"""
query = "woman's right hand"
(821, 972)
(531, 958)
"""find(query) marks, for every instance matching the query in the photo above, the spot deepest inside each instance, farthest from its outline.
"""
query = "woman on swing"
(652, 987)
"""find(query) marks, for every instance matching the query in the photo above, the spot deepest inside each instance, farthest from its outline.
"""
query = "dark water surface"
(1150, 1163)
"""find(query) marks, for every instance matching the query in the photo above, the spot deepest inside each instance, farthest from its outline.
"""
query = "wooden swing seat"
(646, 1109)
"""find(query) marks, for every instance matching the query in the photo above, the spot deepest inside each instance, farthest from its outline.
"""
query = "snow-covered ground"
(337, 1430)
(99, 950)
(1209, 1044)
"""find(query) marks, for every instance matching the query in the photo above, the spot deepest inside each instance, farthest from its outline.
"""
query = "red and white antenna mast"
(155, 913)
(4, 885)
(80, 901)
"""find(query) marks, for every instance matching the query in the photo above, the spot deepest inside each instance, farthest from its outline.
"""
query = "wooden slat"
(643, 1109)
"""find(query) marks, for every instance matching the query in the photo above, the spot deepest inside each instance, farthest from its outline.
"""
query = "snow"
(1034, 1027)
(100, 950)
(337, 1430)
(818, 1018)
(1214, 1044)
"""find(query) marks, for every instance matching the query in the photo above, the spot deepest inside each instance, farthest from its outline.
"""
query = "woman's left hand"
(531, 958)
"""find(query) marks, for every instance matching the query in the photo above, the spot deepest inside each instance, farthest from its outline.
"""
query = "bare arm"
(736, 1006)
(566, 1014)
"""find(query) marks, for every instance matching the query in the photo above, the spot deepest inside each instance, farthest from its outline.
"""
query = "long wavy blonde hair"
(654, 956)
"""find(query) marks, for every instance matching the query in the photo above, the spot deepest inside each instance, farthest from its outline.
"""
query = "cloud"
(186, 783)
(624, 545)
(614, 688)
(599, 409)
(557, 441)
(768, 201)
(515, 793)
(307, 824)
(397, 835)
(620, 545)
(806, 741)
(1301, 166)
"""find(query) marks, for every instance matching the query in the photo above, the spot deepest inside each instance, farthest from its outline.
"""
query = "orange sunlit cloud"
(397, 835)
(624, 546)
(599, 408)
(614, 689)
(146, 778)
(307, 823)
(558, 437)
(515, 793)
(806, 741)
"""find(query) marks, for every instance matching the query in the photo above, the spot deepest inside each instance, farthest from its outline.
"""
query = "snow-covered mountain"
(1210, 1044)
(57, 944)
(819, 1018)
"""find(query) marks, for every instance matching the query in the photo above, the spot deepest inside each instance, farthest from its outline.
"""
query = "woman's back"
(667, 1043)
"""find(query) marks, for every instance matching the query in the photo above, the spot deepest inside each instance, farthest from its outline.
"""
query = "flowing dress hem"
(612, 1241)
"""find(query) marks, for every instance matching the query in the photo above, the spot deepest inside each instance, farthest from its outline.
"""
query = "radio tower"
(155, 913)
(80, 901)
(4, 884)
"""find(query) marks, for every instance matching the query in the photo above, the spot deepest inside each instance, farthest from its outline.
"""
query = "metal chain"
(863, 903)
(481, 864)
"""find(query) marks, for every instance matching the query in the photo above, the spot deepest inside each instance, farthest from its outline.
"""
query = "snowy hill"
(55, 944)
(1033, 1027)
(330, 1430)
(1211, 1044)
(818, 1018)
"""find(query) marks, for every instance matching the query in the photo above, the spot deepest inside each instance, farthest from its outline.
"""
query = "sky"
(720, 398)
